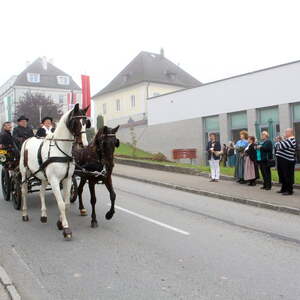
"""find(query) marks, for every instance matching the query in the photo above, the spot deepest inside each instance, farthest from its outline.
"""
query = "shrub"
(159, 157)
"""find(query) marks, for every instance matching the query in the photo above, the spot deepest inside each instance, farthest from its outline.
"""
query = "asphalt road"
(161, 244)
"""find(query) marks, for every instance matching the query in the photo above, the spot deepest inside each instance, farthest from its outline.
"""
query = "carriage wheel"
(74, 190)
(16, 193)
(5, 182)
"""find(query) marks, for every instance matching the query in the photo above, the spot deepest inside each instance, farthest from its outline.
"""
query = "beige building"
(124, 100)
(39, 77)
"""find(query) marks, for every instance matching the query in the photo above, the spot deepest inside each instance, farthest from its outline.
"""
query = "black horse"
(96, 163)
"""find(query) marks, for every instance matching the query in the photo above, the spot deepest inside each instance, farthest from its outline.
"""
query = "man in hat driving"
(22, 131)
(46, 128)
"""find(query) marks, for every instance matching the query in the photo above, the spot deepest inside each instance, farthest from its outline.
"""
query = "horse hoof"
(25, 218)
(44, 219)
(67, 233)
(83, 212)
(59, 225)
(94, 224)
(109, 215)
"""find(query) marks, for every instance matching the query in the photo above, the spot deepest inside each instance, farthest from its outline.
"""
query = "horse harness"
(56, 159)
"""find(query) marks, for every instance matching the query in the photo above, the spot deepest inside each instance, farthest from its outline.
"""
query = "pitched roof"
(48, 76)
(150, 67)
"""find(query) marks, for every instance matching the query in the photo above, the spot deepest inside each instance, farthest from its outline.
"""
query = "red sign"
(86, 93)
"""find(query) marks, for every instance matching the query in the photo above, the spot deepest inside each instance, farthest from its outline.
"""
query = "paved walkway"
(3, 293)
(228, 188)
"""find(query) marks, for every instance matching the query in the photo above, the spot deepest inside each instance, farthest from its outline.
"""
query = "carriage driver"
(22, 131)
(46, 128)
(6, 139)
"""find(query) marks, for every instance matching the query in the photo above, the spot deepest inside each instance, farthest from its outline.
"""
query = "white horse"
(50, 160)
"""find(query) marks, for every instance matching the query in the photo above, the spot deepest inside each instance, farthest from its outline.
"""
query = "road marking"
(22, 261)
(152, 220)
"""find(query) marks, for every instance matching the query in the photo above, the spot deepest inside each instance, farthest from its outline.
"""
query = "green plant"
(100, 122)
(159, 157)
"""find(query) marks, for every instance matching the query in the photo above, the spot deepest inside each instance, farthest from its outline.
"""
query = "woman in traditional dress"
(240, 147)
(251, 169)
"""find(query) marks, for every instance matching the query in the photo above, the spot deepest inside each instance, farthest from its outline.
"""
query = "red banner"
(86, 93)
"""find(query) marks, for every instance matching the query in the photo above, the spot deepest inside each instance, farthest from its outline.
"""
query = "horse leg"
(24, 189)
(112, 194)
(43, 202)
(83, 211)
(62, 223)
(94, 222)
(67, 183)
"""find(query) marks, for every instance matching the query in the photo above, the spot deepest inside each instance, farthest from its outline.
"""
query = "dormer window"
(63, 80)
(33, 77)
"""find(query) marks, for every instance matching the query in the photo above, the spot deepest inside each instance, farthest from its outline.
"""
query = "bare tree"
(31, 105)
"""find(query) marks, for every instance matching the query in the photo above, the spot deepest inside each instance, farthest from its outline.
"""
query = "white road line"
(152, 221)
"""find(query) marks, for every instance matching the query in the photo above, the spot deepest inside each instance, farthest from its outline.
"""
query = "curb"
(240, 200)
(8, 285)
(181, 170)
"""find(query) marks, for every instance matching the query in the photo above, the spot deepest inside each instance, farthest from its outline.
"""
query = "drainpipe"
(147, 96)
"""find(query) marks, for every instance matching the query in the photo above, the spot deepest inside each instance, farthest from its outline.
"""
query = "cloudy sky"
(209, 39)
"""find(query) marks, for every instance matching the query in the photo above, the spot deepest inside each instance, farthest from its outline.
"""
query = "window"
(132, 101)
(238, 122)
(118, 105)
(33, 77)
(61, 99)
(63, 80)
(104, 108)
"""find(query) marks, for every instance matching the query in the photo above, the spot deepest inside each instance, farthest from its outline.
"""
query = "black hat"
(21, 118)
(47, 118)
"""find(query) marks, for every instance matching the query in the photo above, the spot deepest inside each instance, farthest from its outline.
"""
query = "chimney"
(27, 63)
(44, 62)
(51, 61)
(162, 52)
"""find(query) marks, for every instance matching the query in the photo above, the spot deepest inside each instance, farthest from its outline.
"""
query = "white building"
(249, 101)
(39, 77)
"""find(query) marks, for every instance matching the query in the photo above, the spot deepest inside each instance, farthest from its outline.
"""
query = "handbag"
(271, 163)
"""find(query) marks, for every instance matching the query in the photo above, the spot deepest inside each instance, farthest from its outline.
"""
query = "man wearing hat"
(46, 127)
(22, 131)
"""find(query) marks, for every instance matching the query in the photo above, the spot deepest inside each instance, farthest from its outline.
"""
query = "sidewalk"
(7, 287)
(227, 190)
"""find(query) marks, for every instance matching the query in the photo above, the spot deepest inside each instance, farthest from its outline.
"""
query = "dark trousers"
(266, 174)
(286, 171)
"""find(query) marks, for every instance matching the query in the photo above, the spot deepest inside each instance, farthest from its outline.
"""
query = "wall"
(268, 87)
(140, 91)
(166, 137)
(53, 93)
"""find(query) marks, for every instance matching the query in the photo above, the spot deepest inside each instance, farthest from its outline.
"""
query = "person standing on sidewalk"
(286, 160)
(265, 153)
(214, 150)
(251, 169)
(240, 147)
(230, 155)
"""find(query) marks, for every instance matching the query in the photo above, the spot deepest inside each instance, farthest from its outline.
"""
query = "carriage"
(11, 179)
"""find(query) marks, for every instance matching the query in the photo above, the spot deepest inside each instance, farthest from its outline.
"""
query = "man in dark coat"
(46, 127)
(6, 139)
(22, 131)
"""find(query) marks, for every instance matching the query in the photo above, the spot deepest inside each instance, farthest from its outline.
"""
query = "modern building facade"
(264, 99)
(40, 77)
(124, 99)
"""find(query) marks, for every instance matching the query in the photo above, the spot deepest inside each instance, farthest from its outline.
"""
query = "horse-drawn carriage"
(53, 161)
(11, 179)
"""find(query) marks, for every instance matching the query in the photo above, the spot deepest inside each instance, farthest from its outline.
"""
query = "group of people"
(14, 138)
(250, 155)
